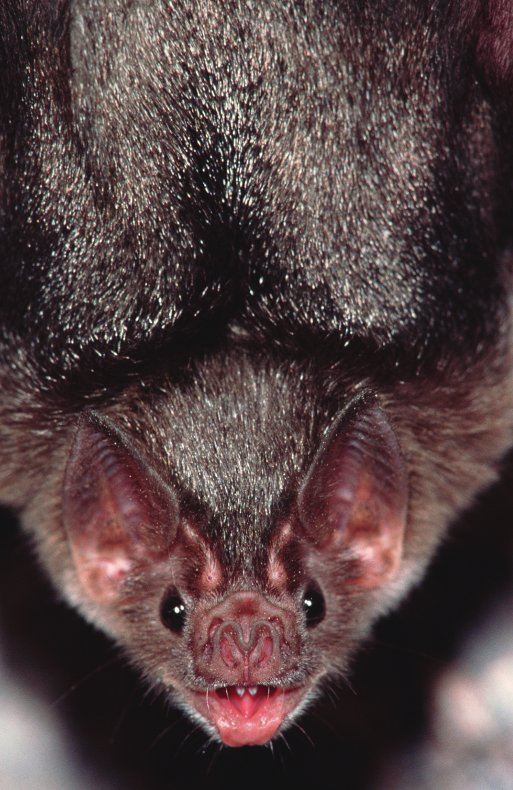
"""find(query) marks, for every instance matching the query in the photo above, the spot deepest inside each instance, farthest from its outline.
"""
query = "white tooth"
(240, 690)
(253, 690)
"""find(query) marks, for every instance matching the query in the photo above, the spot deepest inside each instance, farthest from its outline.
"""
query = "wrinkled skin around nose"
(245, 640)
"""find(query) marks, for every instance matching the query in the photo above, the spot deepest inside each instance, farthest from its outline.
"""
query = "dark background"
(134, 741)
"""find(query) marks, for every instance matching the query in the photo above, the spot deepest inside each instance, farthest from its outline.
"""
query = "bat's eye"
(172, 611)
(313, 605)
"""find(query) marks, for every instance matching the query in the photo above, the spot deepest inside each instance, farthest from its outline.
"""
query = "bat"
(256, 340)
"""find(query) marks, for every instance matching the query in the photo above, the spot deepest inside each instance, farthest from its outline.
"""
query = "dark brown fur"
(221, 225)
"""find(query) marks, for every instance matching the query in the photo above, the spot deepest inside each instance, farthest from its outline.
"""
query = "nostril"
(214, 625)
(264, 645)
(263, 649)
(227, 654)
(227, 642)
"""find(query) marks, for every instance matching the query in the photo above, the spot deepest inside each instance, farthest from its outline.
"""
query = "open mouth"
(247, 715)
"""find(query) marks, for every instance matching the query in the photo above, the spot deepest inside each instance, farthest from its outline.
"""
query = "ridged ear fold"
(118, 514)
(355, 495)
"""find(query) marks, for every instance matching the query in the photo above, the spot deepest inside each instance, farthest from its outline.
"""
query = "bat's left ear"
(354, 498)
(119, 515)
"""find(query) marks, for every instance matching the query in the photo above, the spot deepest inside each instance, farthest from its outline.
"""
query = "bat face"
(242, 625)
(255, 323)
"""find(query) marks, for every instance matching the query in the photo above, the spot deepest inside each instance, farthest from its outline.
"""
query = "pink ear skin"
(354, 498)
(117, 512)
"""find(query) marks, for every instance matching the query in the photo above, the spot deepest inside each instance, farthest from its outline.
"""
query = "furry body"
(224, 227)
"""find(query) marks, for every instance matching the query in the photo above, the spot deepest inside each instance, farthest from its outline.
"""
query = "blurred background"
(431, 702)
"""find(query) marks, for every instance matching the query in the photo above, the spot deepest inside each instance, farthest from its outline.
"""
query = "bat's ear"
(494, 24)
(118, 514)
(354, 498)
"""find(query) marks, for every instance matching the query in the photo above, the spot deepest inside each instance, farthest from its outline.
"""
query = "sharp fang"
(253, 690)
(240, 690)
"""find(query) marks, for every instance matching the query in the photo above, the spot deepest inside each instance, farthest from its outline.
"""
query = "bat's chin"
(247, 715)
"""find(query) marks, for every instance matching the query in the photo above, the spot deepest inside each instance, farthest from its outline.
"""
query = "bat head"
(239, 625)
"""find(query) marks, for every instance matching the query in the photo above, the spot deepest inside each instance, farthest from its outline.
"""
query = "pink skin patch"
(247, 715)
(276, 569)
(211, 576)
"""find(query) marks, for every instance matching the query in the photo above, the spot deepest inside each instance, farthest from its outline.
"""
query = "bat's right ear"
(118, 514)
(354, 498)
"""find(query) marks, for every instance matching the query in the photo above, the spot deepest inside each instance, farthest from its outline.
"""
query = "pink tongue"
(247, 703)
(249, 719)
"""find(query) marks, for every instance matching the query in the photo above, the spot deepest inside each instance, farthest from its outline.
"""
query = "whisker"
(306, 735)
(79, 683)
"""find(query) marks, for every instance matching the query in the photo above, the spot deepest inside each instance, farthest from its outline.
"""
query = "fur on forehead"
(235, 440)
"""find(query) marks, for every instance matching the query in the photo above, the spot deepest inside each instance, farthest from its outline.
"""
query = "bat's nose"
(247, 640)
(249, 653)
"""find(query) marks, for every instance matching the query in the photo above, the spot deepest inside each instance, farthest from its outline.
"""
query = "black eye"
(172, 612)
(313, 605)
